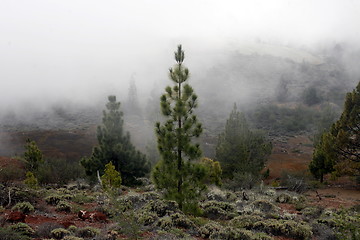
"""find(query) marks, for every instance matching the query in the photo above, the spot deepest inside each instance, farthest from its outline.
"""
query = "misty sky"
(81, 49)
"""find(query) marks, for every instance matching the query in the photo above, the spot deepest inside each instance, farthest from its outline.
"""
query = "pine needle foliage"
(176, 173)
(240, 149)
(111, 178)
(33, 155)
(115, 146)
(339, 148)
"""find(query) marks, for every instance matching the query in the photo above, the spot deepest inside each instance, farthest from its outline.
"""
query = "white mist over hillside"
(81, 51)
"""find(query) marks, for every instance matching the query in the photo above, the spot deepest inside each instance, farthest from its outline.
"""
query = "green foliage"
(115, 146)
(24, 207)
(31, 181)
(214, 171)
(347, 224)
(219, 210)
(289, 228)
(23, 229)
(60, 233)
(32, 155)
(10, 234)
(339, 147)
(63, 206)
(59, 171)
(323, 158)
(111, 178)
(82, 198)
(181, 179)
(87, 232)
(240, 149)
(209, 228)
(10, 173)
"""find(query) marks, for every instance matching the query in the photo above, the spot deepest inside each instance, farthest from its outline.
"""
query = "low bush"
(245, 221)
(59, 233)
(218, 210)
(23, 228)
(87, 232)
(265, 206)
(24, 207)
(63, 206)
(10, 234)
(289, 228)
(283, 198)
(44, 230)
(209, 228)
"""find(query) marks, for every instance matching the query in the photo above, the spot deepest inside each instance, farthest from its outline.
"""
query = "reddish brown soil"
(6, 162)
(289, 154)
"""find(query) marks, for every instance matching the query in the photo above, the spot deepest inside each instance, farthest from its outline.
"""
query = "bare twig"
(318, 195)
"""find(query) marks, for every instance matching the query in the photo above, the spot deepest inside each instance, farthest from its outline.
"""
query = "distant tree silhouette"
(115, 146)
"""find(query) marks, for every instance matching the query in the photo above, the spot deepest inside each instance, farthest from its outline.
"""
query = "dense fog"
(61, 59)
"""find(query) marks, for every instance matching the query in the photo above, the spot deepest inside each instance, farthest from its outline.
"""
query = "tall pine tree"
(115, 146)
(340, 146)
(176, 173)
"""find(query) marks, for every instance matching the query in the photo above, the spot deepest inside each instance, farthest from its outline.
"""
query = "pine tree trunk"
(180, 180)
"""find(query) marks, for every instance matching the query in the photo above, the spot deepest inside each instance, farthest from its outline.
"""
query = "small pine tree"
(239, 149)
(175, 173)
(115, 146)
(111, 178)
(323, 158)
(33, 155)
(214, 171)
(30, 180)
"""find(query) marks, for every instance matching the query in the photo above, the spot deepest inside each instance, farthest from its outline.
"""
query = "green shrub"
(87, 232)
(182, 221)
(69, 237)
(63, 206)
(209, 228)
(162, 207)
(265, 206)
(10, 174)
(59, 171)
(23, 228)
(82, 198)
(53, 199)
(289, 228)
(31, 181)
(165, 223)
(218, 210)
(10, 234)
(231, 233)
(59, 233)
(146, 218)
(24, 207)
(44, 230)
(111, 178)
(283, 198)
(245, 221)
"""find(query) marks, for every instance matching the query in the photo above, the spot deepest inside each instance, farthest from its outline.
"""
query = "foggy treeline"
(253, 80)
